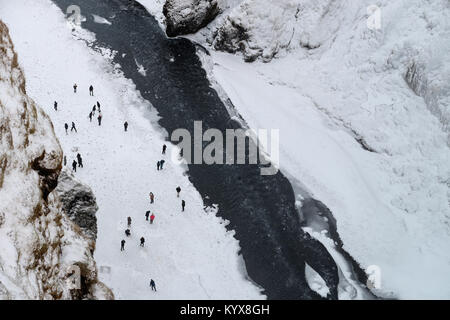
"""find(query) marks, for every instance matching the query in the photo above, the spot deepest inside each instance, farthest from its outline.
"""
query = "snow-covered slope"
(391, 205)
(38, 242)
(190, 255)
(364, 119)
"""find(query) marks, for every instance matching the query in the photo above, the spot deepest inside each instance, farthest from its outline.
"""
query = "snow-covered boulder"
(78, 202)
(188, 16)
(262, 28)
(41, 249)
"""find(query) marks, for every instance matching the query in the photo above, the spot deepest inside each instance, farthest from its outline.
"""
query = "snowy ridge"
(38, 242)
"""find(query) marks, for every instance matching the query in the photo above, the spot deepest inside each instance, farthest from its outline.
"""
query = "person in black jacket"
(152, 285)
(73, 127)
(80, 160)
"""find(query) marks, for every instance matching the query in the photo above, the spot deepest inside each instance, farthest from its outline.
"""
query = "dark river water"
(261, 209)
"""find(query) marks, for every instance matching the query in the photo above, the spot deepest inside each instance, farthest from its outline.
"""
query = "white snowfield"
(190, 255)
(331, 80)
(392, 206)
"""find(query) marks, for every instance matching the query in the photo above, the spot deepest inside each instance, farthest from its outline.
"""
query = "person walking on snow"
(128, 232)
(74, 165)
(152, 285)
(122, 245)
(75, 88)
(158, 164)
(152, 217)
(164, 149)
(129, 222)
(146, 215)
(99, 118)
(66, 126)
(142, 241)
(55, 105)
(125, 126)
(98, 105)
(152, 197)
(73, 127)
(80, 160)
(91, 90)
(161, 164)
(183, 204)
(65, 160)
(178, 191)
(90, 116)
(94, 108)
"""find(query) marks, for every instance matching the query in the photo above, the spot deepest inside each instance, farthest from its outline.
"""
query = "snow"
(101, 20)
(155, 7)
(391, 205)
(141, 69)
(190, 255)
(332, 81)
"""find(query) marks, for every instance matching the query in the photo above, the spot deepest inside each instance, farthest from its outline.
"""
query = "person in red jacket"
(152, 217)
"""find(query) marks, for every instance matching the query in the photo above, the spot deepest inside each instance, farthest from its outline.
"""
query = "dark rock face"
(48, 166)
(188, 16)
(79, 203)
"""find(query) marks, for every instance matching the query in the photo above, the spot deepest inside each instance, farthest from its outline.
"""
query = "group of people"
(96, 108)
(142, 243)
(78, 163)
(149, 216)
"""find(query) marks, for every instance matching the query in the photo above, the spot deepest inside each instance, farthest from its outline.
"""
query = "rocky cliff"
(44, 255)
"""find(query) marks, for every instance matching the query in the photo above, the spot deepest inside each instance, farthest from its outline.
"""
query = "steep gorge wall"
(40, 246)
